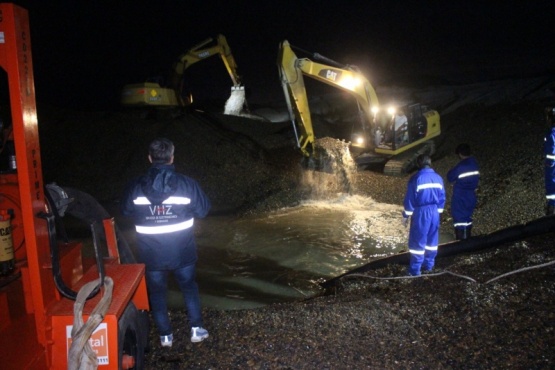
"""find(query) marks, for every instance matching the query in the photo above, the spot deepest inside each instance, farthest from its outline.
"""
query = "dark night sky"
(85, 51)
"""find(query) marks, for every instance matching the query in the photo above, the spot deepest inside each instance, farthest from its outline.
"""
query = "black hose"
(65, 290)
(86, 208)
(539, 226)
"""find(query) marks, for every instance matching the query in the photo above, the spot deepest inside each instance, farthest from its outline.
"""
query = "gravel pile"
(453, 319)
(434, 322)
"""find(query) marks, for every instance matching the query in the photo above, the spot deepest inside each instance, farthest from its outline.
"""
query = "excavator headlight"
(349, 82)
(357, 140)
(391, 110)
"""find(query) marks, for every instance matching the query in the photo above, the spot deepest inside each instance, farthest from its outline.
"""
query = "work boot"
(468, 232)
(463, 233)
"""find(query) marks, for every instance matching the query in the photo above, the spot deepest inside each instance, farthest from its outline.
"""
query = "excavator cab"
(412, 127)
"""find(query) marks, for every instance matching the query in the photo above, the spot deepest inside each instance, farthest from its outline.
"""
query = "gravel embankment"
(433, 322)
(441, 321)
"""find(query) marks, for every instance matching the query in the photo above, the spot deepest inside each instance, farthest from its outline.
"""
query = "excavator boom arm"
(201, 52)
(295, 95)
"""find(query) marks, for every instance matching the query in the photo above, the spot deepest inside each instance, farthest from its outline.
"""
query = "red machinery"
(37, 294)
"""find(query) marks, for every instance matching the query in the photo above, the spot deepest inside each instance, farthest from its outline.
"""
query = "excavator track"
(403, 163)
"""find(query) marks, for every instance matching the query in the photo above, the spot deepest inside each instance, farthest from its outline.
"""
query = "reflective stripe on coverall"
(424, 201)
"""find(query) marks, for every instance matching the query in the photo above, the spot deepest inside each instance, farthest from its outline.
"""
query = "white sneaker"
(166, 340)
(198, 334)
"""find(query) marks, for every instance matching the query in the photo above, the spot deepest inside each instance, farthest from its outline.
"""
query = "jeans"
(157, 284)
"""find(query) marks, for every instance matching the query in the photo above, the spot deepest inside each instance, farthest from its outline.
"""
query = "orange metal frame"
(33, 316)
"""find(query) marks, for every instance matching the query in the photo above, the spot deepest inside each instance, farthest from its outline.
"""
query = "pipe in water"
(535, 227)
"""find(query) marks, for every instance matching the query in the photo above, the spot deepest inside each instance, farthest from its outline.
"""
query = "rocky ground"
(454, 319)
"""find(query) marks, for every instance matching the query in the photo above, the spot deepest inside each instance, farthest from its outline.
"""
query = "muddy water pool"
(284, 255)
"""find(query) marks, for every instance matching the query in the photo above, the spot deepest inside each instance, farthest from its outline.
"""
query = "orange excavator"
(59, 308)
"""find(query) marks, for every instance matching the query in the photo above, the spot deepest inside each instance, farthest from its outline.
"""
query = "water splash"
(331, 169)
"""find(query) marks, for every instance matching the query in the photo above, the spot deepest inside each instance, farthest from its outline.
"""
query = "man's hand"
(405, 221)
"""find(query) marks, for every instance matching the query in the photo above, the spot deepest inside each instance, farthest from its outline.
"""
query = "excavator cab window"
(416, 121)
(400, 129)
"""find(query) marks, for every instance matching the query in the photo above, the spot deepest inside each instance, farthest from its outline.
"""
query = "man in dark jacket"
(424, 201)
(164, 204)
(549, 157)
(465, 177)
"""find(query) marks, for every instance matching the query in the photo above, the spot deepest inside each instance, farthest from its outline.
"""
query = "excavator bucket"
(332, 163)
(236, 103)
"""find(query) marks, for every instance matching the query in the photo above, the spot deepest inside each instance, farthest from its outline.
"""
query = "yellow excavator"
(152, 93)
(396, 135)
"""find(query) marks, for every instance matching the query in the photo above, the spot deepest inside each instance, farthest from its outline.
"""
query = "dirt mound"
(238, 161)
(246, 164)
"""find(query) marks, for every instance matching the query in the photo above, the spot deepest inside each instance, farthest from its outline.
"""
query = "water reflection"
(283, 255)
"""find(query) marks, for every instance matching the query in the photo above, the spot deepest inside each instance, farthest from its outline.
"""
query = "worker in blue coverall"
(549, 153)
(465, 177)
(424, 201)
